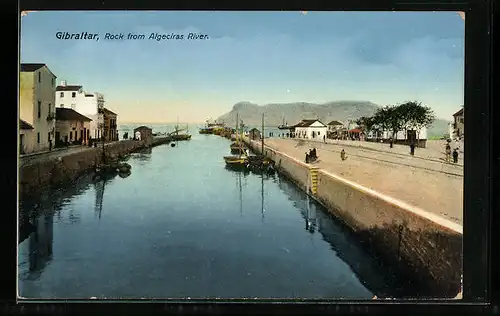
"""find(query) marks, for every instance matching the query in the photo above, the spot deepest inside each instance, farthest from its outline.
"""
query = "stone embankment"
(64, 168)
(420, 245)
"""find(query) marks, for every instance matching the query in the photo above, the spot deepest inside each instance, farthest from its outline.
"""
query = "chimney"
(63, 83)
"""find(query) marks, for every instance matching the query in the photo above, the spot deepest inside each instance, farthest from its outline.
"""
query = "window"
(39, 77)
(38, 138)
(61, 94)
(39, 109)
(62, 105)
(73, 94)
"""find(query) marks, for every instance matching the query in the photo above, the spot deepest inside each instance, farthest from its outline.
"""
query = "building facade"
(26, 138)
(310, 129)
(110, 127)
(457, 127)
(254, 134)
(335, 129)
(37, 103)
(419, 137)
(88, 104)
(72, 128)
(145, 133)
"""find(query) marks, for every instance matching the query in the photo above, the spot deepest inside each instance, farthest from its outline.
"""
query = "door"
(58, 138)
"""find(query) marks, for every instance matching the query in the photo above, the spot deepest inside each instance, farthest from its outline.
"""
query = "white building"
(37, 105)
(404, 136)
(310, 129)
(85, 103)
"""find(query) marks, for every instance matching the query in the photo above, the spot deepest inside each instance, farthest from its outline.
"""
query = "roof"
(25, 125)
(108, 111)
(459, 112)
(306, 123)
(142, 127)
(31, 67)
(355, 130)
(65, 114)
(333, 123)
(68, 88)
(27, 67)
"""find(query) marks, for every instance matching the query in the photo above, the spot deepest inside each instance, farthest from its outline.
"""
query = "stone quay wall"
(58, 169)
(416, 243)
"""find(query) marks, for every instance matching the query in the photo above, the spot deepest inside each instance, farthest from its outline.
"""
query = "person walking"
(412, 148)
(343, 155)
(324, 138)
(455, 155)
(447, 152)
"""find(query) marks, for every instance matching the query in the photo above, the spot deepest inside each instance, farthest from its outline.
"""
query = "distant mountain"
(438, 128)
(251, 113)
(292, 113)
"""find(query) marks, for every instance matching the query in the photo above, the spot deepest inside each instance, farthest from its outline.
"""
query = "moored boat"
(240, 160)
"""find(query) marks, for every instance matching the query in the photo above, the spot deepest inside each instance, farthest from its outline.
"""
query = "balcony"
(51, 116)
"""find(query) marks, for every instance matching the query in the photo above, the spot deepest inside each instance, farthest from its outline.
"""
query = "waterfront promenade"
(422, 180)
(55, 153)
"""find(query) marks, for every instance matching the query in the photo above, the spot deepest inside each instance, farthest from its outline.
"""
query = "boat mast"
(262, 197)
(237, 136)
(262, 145)
(241, 194)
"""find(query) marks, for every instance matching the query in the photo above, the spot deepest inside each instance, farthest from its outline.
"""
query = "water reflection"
(376, 277)
(143, 154)
(37, 219)
(40, 243)
(172, 231)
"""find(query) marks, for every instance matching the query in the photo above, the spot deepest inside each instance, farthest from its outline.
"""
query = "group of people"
(449, 153)
(311, 155)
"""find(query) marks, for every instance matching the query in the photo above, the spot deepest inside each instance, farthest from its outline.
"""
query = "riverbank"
(421, 244)
(58, 167)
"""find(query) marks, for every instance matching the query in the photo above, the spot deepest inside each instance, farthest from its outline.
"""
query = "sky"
(260, 57)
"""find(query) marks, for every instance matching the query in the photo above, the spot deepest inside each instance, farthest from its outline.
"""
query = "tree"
(389, 118)
(418, 116)
(380, 119)
(405, 114)
(365, 123)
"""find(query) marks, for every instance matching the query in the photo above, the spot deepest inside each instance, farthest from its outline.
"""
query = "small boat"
(238, 151)
(241, 159)
(205, 131)
(177, 137)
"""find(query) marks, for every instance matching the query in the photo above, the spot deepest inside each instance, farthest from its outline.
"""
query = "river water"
(182, 225)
